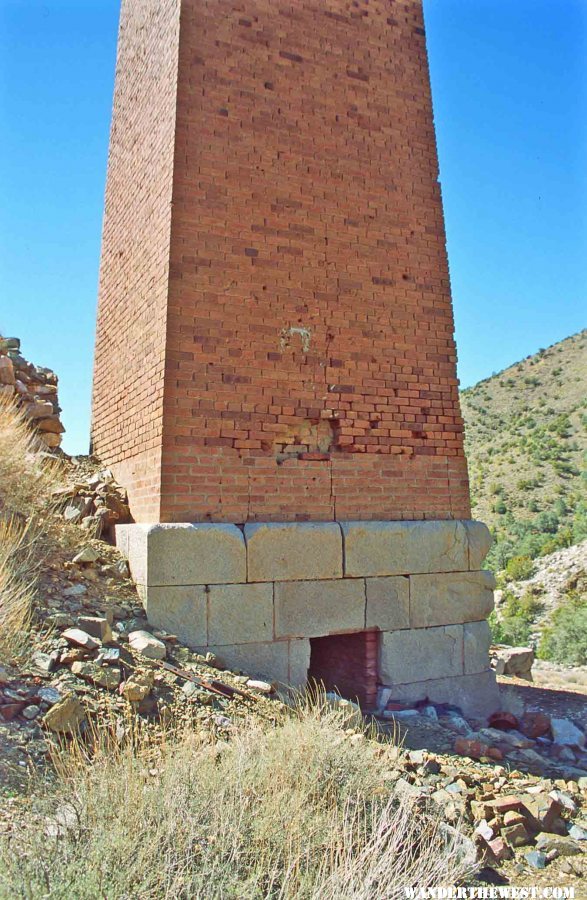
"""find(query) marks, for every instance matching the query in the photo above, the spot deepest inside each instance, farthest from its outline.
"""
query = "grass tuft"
(298, 810)
(27, 476)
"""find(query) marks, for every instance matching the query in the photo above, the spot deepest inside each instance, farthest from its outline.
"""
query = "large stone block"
(180, 610)
(240, 613)
(183, 554)
(292, 551)
(299, 662)
(477, 640)
(264, 660)
(421, 654)
(388, 602)
(480, 540)
(317, 608)
(476, 695)
(404, 548)
(450, 599)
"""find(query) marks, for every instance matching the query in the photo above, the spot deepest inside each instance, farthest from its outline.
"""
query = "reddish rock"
(10, 710)
(506, 803)
(495, 753)
(504, 721)
(499, 848)
(535, 725)
(467, 747)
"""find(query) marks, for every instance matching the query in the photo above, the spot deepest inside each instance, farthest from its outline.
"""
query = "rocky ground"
(516, 785)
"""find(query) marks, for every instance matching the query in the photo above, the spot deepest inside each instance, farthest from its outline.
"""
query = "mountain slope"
(526, 443)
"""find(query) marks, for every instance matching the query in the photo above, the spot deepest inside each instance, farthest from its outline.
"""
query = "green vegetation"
(517, 616)
(526, 444)
(565, 639)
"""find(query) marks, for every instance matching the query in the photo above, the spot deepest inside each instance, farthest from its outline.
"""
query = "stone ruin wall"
(34, 389)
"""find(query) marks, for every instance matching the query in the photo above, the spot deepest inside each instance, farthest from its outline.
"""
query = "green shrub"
(517, 616)
(565, 640)
(519, 568)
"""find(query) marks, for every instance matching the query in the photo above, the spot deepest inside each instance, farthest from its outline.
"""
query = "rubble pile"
(96, 502)
(95, 658)
(35, 390)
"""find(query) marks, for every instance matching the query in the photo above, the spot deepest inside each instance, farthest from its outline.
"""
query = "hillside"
(526, 443)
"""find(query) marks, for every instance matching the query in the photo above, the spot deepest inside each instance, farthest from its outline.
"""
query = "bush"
(516, 619)
(300, 810)
(519, 568)
(565, 640)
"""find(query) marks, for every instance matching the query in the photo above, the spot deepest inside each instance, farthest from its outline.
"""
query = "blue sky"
(509, 83)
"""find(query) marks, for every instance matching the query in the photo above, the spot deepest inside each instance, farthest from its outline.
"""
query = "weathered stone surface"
(388, 602)
(66, 716)
(240, 613)
(138, 686)
(513, 661)
(479, 540)
(476, 643)
(96, 626)
(147, 645)
(184, 554)
(476, 695)
(404, 548)
(7, 375)
(181, 610)
(80, 638)
(87, 555)
(264, 660)
(421, 654)
(566, 732)
(316, 608)
(292, 551)
(450, 599)
(51, 425)
(299, 662)
(104, 677)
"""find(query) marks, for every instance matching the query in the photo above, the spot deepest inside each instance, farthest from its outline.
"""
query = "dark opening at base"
(348, 664)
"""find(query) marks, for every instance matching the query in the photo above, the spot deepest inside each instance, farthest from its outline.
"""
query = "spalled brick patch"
(275, 333)
(348, 664)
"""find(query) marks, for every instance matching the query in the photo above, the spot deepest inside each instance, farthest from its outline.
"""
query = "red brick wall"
(310, 365)
(127, 404)
(347, 664)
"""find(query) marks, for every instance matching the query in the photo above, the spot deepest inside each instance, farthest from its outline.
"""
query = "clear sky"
(509, 82)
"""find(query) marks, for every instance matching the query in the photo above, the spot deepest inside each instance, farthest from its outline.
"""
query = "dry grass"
(18, 570)
(298, 810)
(27, 477)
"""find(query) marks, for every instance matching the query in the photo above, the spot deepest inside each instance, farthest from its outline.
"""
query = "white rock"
(147, 645)
(264, 686)
(564, 732)
(87, 555)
